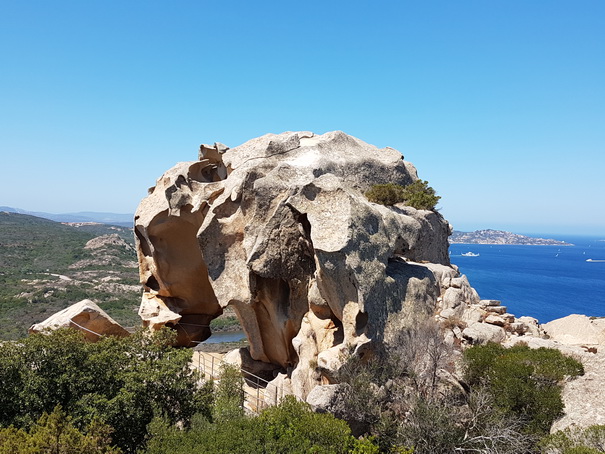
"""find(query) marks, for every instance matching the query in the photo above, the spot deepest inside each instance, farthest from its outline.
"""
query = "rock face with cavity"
(279, 228)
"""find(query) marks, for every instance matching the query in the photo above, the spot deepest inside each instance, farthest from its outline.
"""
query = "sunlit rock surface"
(85, 316)
(279, 229)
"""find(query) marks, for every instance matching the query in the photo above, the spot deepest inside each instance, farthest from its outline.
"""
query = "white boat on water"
(469, 254)
(591, 260)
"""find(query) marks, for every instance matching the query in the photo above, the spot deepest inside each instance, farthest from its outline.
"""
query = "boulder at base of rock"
(251, 368)
(482, 333)
(577, 329)
(533, 327)
(85, 316)
(322, 398)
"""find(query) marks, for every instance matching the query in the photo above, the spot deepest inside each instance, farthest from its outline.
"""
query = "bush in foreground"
(523, 382)
(55, 433)
(575, 441)
(123, 383)
(398, 398)
(290, 427)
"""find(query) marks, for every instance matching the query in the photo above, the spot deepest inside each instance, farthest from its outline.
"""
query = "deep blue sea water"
(545, 282)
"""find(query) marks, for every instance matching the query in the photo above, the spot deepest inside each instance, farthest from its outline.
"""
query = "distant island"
(501, 237)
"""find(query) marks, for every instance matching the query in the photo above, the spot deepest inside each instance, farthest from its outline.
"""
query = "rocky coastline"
(501, 237)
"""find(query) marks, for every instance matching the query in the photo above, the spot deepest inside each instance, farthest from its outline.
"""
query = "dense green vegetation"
(418, 195)
(290, 427)
(123, 383)
(522, 382)
(55, 433)
(116, 395)
(59, 394)
(35, 251)
(575, 441)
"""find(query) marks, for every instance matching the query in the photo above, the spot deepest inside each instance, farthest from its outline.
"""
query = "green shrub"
(293, 427)
(590, 440)
(290, 427)
(121, 382)
(418, 195)
(523, 381)
(385, 194)
(55, 433)
(229, 395)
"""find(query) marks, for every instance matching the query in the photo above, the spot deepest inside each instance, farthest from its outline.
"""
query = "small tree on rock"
(418, 195)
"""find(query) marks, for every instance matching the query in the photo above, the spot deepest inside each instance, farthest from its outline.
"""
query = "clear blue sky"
(499, 104)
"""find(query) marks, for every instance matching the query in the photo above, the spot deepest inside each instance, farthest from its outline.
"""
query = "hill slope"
(46, 266)
(124, 220)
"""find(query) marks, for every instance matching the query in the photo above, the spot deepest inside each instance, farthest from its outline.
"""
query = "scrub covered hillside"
(45, 266)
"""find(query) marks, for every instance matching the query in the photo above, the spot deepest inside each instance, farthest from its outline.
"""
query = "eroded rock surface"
(279, 229)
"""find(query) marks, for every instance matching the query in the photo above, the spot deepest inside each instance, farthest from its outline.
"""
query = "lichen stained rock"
(279, 229)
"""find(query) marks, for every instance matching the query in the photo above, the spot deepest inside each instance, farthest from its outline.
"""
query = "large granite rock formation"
(279, 229)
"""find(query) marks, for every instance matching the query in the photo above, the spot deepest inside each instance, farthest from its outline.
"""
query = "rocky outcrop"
(583, 396)
(577, 330)
(279, 229)
(108, 241)
(107, 250)
(85, 316)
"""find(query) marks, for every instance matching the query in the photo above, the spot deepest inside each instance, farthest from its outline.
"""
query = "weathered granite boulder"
(85, 316)
(577, 330)
(279, 229)
(322, 398)
(531, 326)
(482, 333)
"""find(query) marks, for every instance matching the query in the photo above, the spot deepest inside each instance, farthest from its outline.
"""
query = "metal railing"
(256, 396)
(258, 392)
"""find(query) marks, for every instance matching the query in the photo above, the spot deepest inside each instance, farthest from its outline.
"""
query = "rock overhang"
(279, 228)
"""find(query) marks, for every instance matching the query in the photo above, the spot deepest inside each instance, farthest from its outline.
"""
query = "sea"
(545, 282)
